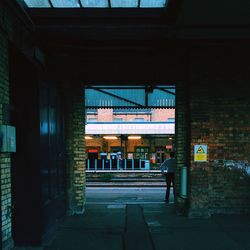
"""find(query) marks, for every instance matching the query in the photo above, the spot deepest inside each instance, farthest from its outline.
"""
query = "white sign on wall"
(125, 128)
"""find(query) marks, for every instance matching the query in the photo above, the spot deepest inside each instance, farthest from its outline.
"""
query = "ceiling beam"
(51, 16)
(118, 97)
(173, 9)
(164, 90)
(51, 4)
(117, 87)
(80, 3)
(139, 3)
(130, 107)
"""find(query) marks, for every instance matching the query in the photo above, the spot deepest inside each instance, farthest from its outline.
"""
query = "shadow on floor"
(149, 227)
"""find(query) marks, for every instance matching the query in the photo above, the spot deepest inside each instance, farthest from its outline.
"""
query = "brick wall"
(13, 29)
(105, 115)
(162, 115)
(158, 115)
(76, 153)
(220, 118)
(130, 118)
(5, 161)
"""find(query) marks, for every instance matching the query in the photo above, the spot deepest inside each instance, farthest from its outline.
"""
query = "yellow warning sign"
(200, 150)
(200, 153)
(200, 157)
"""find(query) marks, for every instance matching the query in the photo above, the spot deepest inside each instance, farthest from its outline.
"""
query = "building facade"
(136, 145)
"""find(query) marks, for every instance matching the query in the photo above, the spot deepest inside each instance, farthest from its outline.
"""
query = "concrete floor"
(126, 195)
(138, 219)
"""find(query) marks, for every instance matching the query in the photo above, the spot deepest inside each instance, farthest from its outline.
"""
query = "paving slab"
(136, 234)
(78, 240)
(242, 238)
(173, 240)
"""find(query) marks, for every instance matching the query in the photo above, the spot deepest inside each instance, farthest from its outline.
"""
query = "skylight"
(65, 3)
(96, 3)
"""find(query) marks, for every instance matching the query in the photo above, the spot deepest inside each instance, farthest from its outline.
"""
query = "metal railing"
(117, 165)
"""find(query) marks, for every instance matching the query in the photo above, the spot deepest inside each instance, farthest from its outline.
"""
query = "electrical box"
(7, 139)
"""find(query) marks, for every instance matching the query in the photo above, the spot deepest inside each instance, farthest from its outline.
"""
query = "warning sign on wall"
(200, 153)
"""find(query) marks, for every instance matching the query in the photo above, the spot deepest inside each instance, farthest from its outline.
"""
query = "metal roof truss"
(129, 97)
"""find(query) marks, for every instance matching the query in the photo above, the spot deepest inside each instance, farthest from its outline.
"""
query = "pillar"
(75, 147)
(5, 161)
(182, 133)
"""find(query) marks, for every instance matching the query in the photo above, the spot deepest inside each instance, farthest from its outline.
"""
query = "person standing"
(168, 170)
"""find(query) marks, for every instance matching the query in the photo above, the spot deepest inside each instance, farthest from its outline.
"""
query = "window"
(96, 3)
(141, 153)
(171, 120)
(92, 119)
(139, 119)
(118, 119)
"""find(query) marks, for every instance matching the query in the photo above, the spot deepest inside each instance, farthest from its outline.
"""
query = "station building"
(131, 141)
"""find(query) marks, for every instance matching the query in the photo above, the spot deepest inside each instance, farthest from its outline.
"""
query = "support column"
(5, 161)
(182, 145)
(76, 156)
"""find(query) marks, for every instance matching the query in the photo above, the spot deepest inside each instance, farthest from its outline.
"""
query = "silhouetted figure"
(168, 170)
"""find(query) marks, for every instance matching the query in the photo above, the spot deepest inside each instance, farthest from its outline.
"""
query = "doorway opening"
(131, 131)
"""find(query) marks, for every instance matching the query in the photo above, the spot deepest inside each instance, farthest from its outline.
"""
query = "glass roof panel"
(124, 3)
(153, 3)
(37, 3)
(65, 3)
(95, 3)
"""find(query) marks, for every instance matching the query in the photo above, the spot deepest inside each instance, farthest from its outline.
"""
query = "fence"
(110, 165)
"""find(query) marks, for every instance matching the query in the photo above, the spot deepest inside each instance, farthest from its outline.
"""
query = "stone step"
(127, 180)
(125, 184)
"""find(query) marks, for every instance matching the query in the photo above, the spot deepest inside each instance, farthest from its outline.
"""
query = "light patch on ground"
(154, 223)
(120, 206)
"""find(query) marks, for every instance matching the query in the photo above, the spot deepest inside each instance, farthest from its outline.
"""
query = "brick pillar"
(199, 171)
(76, 156)
(181, 135)
(5, 162)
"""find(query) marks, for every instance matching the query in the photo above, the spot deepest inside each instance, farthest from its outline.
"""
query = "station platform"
(139, 219)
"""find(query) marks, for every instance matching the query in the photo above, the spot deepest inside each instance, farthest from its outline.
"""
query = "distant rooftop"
(119, 97)
(96, 3)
